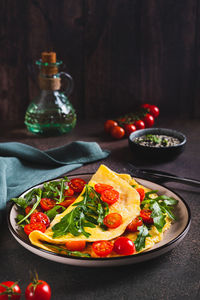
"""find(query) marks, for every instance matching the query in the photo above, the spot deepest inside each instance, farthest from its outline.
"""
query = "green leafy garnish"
(141, 237)
(51, 213)
(55, 189)
(89, 212)
(61, 249)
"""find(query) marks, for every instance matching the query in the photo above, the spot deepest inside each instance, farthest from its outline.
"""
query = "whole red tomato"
(109, 124)
(154, 110)
(9, 290)
(124, 246)
(139, 124)
(117, 132)
(38, 290)
(148, 120)
(129, 128)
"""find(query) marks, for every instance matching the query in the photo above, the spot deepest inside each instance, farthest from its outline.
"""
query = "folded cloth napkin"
(23, 166)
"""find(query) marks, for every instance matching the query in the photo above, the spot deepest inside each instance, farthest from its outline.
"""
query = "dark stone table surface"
(172, 276)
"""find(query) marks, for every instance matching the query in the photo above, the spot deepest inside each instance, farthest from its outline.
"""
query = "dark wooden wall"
(120, 53)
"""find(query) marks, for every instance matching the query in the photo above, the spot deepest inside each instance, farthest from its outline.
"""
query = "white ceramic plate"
(172, 236)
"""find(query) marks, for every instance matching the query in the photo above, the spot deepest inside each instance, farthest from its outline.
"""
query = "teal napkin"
(23, 166)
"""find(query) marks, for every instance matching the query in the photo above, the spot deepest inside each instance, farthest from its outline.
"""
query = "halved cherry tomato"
(28, 228)
(117, 132)
(47, 203)
(69, 192)
(154, 110)
(109, 124)
(28, 209)
(141, 193)
(75, 245)
(9, 290)
(102, 248)
(124, 246)
(113, 220)
(145, 214)
(139, 124)
(77, 184)
(100, 187)
(129, 128)
(148, 120)
(132, 227)
(68, 201)
(110, 196)
(40, 217)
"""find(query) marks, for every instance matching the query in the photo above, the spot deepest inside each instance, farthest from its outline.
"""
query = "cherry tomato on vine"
(100, 187)
(69, 192)
(75, 245)
(109, 124)
(117, 132)
(102, 248)
(110, 196)
(28, 228)
(68, 201)
(148, 120)
(38, 290)
(145, 214)
(139, 124)
(141, 193)
(40, 217)
(9, 290)
(77, 184)
(113, 220)
(129, 128)
(124, 246)
(145, 105)
(47, 203)
(132, 227)
(154, 111)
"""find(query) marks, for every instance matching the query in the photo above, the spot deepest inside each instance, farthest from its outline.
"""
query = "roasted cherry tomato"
(77, 184)
(154, 110)
(109, 124)
(28, 209)
(68, 201)
(28, 228)
(38, 290)
(142, 193)
(113, 220)
(124, 246)
(102, 248)
(139, 124)
(41, 218)
(148, 120)
(129, 128)
(117, 132)
(132, 227)
(9, 290)
(47, 203)
(145, 214)
(69, 192)
(110, 196)
(100, 187)
(75, 245)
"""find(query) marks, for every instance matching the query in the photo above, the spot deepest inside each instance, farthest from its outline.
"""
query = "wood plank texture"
(120, 53)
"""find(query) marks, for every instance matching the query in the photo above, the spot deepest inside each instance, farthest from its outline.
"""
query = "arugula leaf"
(61, 249)
(24, 202)
(141, 238)
(89, 212)
(51, 213)
(157, 215)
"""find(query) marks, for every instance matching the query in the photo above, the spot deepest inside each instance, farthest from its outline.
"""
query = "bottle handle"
(70, 85)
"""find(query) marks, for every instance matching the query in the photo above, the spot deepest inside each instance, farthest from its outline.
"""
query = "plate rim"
(119, 258)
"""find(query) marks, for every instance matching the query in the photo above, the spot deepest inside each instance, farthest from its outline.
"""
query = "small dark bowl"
(157, 152)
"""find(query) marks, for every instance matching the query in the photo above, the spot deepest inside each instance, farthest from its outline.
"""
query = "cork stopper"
(49, 57)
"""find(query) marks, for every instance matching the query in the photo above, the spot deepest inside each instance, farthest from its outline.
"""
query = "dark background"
(120, 53)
